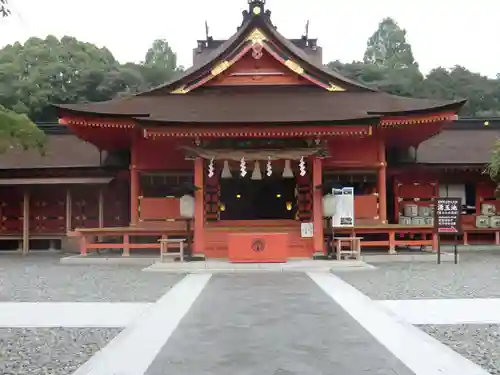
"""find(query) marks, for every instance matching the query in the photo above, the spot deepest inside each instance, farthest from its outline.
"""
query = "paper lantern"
(328, 205)
(187, 206)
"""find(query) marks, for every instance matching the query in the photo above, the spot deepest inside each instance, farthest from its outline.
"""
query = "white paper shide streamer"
(243, 167)
(302, 167)
(269, 167)
(211, 169)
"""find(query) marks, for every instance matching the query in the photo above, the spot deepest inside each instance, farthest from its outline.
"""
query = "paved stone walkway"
(270, 324)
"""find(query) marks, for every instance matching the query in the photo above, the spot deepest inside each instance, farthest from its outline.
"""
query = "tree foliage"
(43, 71)
(17, 130)
(389, 65)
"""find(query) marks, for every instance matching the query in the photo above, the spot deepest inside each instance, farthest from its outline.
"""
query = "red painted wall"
(161, 155)
(352, 150)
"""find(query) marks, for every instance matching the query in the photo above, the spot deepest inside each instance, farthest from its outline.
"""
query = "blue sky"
(441, 32)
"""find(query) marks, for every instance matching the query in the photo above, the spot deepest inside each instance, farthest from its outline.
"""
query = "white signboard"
(344, 207)
(306, 230)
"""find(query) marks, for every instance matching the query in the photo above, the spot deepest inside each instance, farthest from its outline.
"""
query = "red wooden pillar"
(317, 174)
(382, 183)
(134, 185)
(134, 195)
(199, 209)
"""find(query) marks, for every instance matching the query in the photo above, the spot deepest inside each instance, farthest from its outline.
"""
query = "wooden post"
(134, 196)
(382, 184)
(199, 209)
(101, 208)
(134, 184)
(317, 172)
(26, 222)
(69, 211)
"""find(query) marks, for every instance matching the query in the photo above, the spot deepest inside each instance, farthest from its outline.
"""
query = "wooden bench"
(354, 247)
(168, 243)
(121, 236)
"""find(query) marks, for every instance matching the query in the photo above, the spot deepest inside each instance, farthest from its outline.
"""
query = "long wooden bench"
(397, 235)
(119, 238)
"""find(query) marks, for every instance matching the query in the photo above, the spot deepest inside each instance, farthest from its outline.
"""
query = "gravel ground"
(477, 276)
(41, 278)
(49, 351)
(478, 342)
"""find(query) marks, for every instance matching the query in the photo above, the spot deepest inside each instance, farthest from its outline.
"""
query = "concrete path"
(270, 324)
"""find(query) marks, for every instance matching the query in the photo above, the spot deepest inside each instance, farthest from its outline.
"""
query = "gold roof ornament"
(257, 37)
(224, 65)
(293, 66)
(180, 90)
(335, 88)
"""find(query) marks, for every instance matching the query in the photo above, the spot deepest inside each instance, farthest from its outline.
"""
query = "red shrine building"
(258, 131)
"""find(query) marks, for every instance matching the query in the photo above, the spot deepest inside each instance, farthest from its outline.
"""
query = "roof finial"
(207, 34)
(256, 7)
(307, 30)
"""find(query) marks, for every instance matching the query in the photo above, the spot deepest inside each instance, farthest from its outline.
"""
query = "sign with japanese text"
(344, 207)
(447, 215)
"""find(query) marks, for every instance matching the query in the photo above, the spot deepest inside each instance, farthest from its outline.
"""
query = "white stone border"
(135, 348)
(421, 353)
(69, 314)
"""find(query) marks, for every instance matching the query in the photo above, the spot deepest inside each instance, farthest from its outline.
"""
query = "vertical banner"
(344, 207)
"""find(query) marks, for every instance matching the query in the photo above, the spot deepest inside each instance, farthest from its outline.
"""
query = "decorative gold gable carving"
(332, 87)
(220, 68)
(257, 37)
(293, 66)
(180, 90)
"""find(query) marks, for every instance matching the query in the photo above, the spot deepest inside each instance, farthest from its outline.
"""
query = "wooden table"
(165, 244)
(354, 246)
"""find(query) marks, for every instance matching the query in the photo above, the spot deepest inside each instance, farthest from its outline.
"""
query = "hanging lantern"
(187, 206)
(328, 205)
(211, 168)
(289, 206)
(256, 174)
(269, 167)
(302, 167)
(226, 172)
(287, 172)
(243, 167)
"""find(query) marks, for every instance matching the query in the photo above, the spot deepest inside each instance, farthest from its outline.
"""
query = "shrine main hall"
(237, 153)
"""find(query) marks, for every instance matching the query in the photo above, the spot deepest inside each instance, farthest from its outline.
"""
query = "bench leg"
(126, 245)
(83, 245)
(392, 240)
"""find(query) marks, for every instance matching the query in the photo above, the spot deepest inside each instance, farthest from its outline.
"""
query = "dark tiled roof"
(62, 151)
(459, 147)
(287, 104)
(263, 104)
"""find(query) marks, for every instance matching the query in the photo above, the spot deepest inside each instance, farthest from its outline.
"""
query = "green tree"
(160, 64)
(482, 93)
(43, 71)
(17, 130)
(387, 47)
